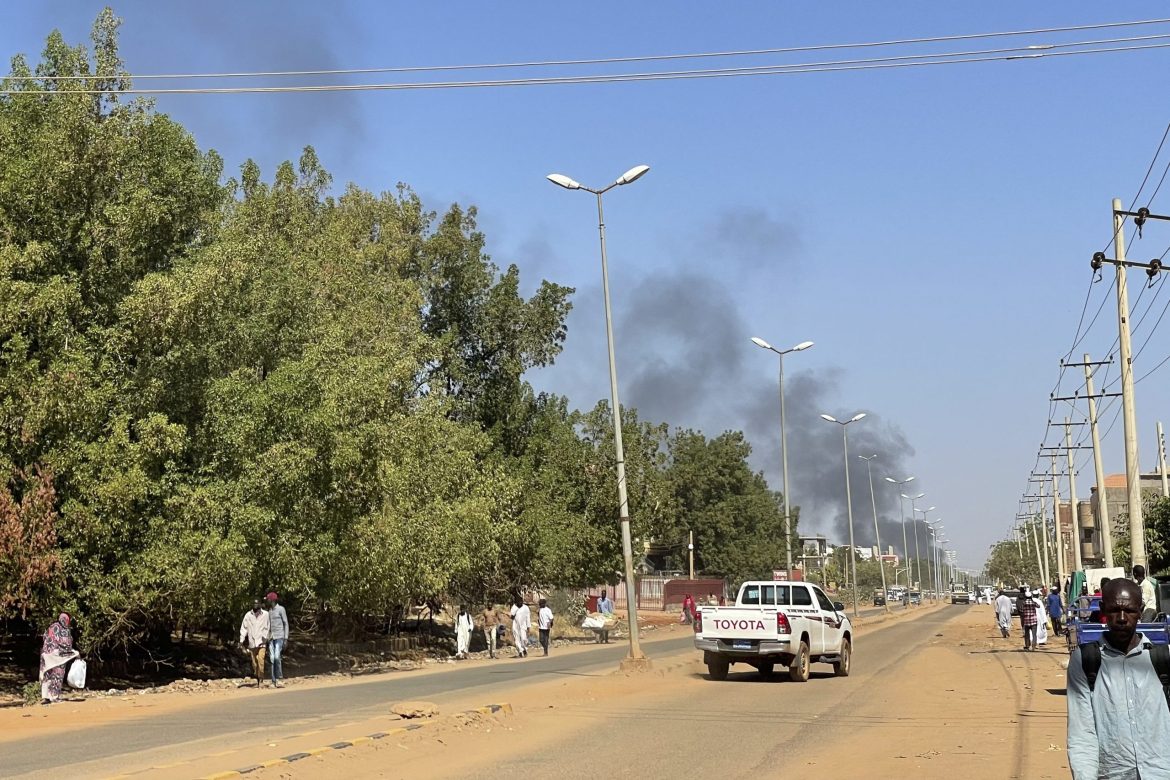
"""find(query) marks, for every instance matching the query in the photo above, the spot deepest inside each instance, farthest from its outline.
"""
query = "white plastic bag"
(76, 675)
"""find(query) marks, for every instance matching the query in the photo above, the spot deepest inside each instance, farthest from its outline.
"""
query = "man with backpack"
(1118, 713)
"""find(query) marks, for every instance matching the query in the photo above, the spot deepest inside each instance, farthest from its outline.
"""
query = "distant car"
(915, 597)
(879, 598)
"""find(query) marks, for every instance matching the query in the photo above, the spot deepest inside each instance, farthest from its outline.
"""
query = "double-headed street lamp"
(935, 528)
(759, 342)
(914, 511)
(876, 535)
(902, 513)
(630, 176)
(913, 500)
(848, 495)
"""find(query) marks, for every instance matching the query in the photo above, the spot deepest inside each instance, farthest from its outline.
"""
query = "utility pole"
(1057, 536)
(691, 552)
(1074, 520)
(1137, 529)
(1099, 469)
(1035, 540)
(1162, 462)
(1043, 527)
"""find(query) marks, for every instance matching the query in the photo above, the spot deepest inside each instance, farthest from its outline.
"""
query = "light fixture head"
(829, 417)
(858, 416)
(633, 174)
(759, 342)
(802, 346)
(561, 180)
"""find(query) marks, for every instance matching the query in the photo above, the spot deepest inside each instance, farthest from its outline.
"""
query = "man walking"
(605, 607)
(1149, 593)
(521, 625)
(463, 627)
(1003, 613)
(277, 638)
(1118, 720)
(491, 628)
(544, 621)
(1055, 609)
(254, 633)
(1026, 606)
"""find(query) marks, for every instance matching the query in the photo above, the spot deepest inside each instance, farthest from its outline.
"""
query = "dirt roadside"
(546, 716)
(96, 708)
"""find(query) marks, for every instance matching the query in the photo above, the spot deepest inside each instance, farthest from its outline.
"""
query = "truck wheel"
(798, 669)
(717, 668)
(766, 669)
(841, 667)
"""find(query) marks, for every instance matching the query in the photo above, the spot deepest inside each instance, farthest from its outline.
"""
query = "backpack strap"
(1091, 662)
(1160, 658)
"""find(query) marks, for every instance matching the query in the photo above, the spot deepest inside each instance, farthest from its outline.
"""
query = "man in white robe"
(463, 628)
(1003, 613)
(521, 625)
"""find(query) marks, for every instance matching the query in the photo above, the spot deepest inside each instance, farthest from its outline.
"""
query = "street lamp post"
(913, 500)
(784, 446)
(935, 527)
(876, 534)
(902, 514)
(636, 658)
(914, 517)
(848, 496)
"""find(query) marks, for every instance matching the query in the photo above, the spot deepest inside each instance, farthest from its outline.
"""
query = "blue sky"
(930, 229)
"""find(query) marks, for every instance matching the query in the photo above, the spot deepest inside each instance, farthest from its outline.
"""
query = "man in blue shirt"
(605, 607)
(278, 620)
(1055, 608)
(1119, 729)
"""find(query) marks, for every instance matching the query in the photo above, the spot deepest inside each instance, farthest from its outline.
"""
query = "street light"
(636, 658)
(848, 495)
(759, 342)
(914, 510)
(876, 535)
(936, 528)
(913, 500)
(902, 513)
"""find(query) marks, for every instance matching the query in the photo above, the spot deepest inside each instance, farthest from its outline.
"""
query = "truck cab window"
(751, 594)
(823, 600)
(768, 597)
(782, 599)
(801, 597)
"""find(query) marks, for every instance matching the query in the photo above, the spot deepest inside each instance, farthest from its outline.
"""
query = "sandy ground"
(960, 702)
(81, 711)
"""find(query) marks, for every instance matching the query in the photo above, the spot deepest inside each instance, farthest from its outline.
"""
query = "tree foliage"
(210, 388)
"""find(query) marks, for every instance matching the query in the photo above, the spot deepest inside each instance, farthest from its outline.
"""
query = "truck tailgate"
(739, 623)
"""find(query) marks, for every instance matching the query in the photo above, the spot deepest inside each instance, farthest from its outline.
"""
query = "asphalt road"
(742, 727)
(168, 737)
(175, 735)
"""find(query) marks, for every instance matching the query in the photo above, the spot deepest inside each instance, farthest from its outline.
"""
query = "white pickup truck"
(793, 624)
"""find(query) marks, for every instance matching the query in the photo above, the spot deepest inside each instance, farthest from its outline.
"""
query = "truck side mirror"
(837, 605)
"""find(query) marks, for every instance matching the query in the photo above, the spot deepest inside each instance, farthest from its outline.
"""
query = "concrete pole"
(1137, 528)
(876, 534)
(1162, 462)
(1036, 540)
(1057, 536)
(784, 460)
(1106, 529)
(691, 552)
(1074, 518)
(905, 547)
(917, 553)
(849, 508)
(1043, 530)
(636, 654)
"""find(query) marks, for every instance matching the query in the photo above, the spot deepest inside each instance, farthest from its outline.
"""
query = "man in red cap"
(278, 622)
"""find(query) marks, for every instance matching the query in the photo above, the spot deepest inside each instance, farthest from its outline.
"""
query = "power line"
(639, 58)
(769, 70)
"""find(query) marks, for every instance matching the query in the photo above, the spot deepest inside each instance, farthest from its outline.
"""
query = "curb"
(491, 709)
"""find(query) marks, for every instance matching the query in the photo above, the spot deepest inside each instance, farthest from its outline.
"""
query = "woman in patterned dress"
(56, 653)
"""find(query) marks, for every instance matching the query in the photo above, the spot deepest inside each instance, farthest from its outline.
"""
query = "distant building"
(814, 552)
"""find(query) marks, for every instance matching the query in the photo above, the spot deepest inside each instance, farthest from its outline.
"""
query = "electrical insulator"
(1098, 260)
(1155, 267)
(1142, 215)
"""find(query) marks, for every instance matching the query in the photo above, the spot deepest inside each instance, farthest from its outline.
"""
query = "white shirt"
(255, 629)
(544, 618)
